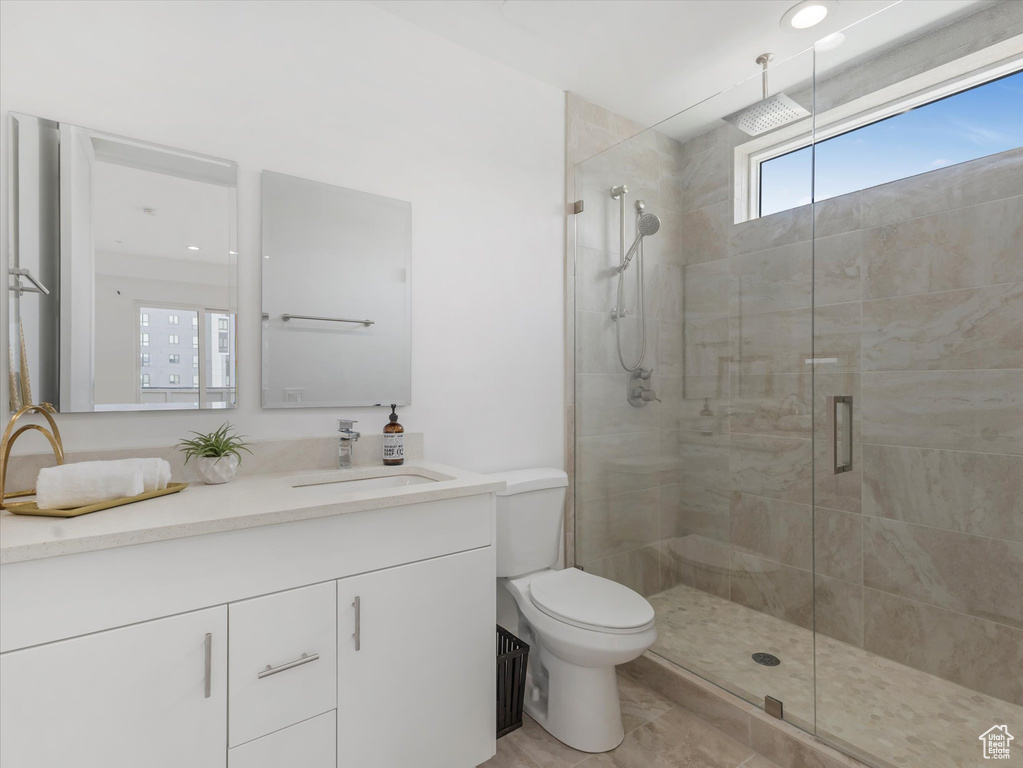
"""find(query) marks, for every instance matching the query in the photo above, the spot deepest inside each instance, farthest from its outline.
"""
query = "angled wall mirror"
(122, 272)
(336, 296)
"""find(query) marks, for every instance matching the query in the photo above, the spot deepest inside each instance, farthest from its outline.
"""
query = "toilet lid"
(586, 600)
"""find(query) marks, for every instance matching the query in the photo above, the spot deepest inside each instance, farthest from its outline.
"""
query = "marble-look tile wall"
(627, 457)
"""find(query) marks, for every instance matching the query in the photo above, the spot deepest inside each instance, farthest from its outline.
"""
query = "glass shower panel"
(693, 478)
(918, 315)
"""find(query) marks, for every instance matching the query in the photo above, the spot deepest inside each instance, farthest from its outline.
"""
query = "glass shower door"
(918, 406)
(693, 477)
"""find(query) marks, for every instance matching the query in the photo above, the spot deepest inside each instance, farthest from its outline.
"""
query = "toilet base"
(582, 707)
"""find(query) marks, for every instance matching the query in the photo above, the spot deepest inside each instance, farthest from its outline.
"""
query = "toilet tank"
(530, 513)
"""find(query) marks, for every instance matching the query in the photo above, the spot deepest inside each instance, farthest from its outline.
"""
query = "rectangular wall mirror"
(122, 272)
(336, 296)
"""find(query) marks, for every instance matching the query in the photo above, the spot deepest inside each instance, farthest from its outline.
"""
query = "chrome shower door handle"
(840, 408)
(358, 623)
(207, 679)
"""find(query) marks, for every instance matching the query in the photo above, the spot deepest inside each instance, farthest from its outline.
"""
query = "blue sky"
(982, 121)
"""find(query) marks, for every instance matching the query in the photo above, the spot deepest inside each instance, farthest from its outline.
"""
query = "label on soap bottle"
(394, 446)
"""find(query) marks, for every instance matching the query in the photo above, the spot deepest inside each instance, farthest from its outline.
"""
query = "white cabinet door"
(309, 744)
(416, 684)
(151, 695)
(283, 660)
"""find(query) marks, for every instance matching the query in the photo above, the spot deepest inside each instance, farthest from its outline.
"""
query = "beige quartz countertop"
(245, 502)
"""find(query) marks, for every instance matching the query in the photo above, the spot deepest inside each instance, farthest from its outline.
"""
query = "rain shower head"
(647, 225)
(769, 113)
(766, 115)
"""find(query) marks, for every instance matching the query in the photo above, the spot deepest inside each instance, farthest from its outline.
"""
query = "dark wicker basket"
(512, 655)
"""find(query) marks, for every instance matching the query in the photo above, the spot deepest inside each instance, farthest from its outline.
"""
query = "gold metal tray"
(30, 507)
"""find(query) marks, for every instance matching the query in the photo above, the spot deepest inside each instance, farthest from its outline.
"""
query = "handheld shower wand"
(647, 225)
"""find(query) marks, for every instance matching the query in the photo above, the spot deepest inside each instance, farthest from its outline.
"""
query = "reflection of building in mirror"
(140, 246)
(185, 355)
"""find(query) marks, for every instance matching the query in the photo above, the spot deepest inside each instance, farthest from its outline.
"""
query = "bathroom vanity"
(339, 618)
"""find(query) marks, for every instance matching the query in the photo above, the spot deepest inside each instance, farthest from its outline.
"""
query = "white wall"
(344, 93)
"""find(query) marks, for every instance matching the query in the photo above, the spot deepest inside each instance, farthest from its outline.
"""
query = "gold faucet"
(8, 442)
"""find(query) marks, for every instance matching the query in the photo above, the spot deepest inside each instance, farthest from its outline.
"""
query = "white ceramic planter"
(214, 471)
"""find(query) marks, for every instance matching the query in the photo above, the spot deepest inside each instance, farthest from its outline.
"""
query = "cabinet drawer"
(283, 660)
(309, 744)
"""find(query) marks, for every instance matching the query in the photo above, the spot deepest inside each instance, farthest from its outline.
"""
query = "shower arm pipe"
(764, 61)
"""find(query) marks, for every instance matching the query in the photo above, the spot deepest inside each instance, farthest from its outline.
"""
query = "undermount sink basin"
(365, 483)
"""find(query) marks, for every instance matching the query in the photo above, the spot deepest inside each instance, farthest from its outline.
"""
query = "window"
(978, 115)
(210, 381)
(145, 379)
(222, 323)
(144, 318)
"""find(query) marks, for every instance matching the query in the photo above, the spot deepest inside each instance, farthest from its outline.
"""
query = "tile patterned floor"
(873, 707)
(658, 735)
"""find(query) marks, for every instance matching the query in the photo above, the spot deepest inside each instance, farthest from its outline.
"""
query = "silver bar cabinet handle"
(305, 658)
(207, 680)
(840, 445)
(358, 623)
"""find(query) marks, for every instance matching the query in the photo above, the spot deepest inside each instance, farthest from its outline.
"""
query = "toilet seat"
(590, 602)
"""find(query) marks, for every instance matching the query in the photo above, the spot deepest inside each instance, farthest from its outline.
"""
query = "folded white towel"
(87, 482)
(156, 473)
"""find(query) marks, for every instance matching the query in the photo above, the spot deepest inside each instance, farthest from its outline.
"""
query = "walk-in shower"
(862, 261)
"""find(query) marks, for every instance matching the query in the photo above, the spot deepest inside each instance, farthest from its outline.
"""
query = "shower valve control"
(644, 373)
(646, 395)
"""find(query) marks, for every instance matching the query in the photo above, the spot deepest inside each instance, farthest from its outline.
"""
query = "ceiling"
(650, 59)
(184, 212)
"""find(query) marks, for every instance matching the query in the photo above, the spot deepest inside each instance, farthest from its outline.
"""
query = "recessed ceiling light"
(806, 14)
(193, 247)
(830, 43)
(149, 211)
(233, 253)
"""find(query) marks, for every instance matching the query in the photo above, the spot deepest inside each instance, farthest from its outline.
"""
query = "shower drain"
(767, 659)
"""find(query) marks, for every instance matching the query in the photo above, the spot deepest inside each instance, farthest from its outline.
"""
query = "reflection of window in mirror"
(171, 377)
(144, 319)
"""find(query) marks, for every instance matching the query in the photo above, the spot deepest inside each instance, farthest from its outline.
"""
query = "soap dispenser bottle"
(394, 440)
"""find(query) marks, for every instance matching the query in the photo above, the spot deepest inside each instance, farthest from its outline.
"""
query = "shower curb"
(777, 740)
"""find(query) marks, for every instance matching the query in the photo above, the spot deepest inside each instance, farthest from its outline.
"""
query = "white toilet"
(578, 626)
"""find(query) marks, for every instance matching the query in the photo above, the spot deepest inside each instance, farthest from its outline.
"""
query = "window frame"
(936, 84)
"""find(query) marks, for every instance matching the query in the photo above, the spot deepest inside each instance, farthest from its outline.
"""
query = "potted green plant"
(216, 453)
